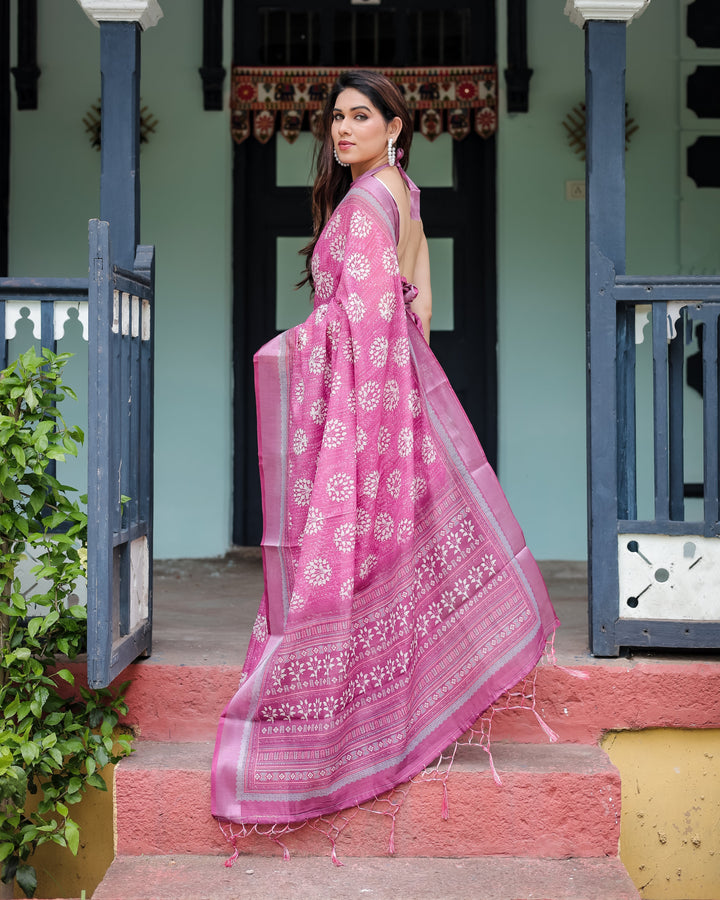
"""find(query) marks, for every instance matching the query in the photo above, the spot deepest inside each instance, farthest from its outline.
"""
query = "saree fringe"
(522, 697)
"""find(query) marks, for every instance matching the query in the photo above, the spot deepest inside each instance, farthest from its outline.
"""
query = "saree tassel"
(445, 811)
(391, 842)
(552, 735)
(576, 673)
(229, 862)
(496, 778)
(286, 852)
(334, 855)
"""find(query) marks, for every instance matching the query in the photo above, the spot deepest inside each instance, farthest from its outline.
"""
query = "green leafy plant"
(54, 738)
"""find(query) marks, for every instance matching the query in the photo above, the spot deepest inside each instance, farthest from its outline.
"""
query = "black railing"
(42, 296)
(677, 307)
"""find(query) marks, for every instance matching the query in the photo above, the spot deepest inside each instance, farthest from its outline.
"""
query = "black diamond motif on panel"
(703, 92)
(703, 161)
(703, 23)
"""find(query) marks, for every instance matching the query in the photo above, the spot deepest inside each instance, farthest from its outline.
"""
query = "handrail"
(667, 279)
(693, 289)
(141, 279)
(49, 288)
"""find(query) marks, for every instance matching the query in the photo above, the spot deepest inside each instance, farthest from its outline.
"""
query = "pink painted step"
(255, 878)
(555, 801)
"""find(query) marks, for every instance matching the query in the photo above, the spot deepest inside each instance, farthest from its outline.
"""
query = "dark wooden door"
(333, 33)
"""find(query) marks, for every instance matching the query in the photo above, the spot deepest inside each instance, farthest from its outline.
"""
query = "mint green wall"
(185, 175)
(187, 199)
(186, 183)
(55, 173)
(541, 312)
(541, 268)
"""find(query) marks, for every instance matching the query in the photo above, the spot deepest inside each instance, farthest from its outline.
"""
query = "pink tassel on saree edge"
(229, 862)
(276, 840)
(335, 859)
(231, 838)
(391, 842)
(445, 810)
(552, 659)
(496, 778)
(552, 735)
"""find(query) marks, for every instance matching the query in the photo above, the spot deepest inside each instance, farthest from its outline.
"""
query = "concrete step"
(184, 703)
(555, 801)
(206, 878)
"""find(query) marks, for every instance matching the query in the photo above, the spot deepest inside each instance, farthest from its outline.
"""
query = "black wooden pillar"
(4, 135)
(517, 74)
(120, 150)
(605, 233)
(26, 72)
(212, 71)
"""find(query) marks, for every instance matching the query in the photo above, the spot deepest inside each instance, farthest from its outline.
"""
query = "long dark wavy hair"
(332, 180)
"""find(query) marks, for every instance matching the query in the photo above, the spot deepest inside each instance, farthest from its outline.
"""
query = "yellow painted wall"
(60, 874)
(670, 825)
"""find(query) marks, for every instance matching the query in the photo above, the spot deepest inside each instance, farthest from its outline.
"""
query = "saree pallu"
(400, 599)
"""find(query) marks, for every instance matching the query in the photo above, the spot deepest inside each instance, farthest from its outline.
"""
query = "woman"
(400, 600)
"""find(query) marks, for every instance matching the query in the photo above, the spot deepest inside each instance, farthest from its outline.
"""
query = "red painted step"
(255, 878)
(183, 703)
(555, 801)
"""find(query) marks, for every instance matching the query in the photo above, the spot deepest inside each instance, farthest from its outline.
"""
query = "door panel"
(272, 211)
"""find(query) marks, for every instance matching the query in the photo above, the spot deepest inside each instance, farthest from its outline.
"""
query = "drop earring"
(391, 152)
(337, 158)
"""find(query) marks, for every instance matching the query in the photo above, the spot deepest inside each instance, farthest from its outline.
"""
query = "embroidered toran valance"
(443, 99)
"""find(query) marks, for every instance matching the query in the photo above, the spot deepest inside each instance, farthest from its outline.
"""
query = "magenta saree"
(400, 599)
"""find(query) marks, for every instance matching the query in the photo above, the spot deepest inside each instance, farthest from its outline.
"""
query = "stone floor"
(204, 610)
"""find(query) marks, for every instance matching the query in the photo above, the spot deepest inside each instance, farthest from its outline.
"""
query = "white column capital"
(145, 12)
(580, 11)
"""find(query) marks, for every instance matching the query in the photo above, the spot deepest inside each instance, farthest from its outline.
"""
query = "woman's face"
(360, 133)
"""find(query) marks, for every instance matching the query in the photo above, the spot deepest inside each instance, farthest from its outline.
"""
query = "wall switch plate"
(574, 190)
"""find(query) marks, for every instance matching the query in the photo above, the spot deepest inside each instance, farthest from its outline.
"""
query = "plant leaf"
(27, 879)
(96, 780)
(29, 752)
(31, 400)
(19, 455)
(72, 836)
